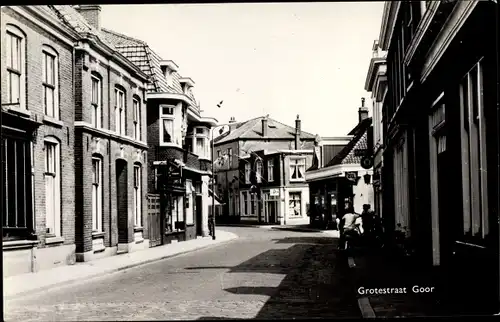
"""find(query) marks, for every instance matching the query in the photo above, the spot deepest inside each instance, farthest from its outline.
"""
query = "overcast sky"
(280, 59)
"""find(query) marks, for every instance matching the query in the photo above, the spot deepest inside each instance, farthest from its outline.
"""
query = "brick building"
(37, 140)
(110, 142)
(441, 141)
(179, 164)
(244, 138)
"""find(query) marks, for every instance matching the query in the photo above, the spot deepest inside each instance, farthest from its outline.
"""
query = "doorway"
(122, 201)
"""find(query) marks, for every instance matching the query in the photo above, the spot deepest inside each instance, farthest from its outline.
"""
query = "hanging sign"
(367, 162)
(351, 176)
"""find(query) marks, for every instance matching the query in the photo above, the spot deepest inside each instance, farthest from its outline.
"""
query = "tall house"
(376, 83)
(243, 139)
(441, 141)
(38, 134)
(179, 165)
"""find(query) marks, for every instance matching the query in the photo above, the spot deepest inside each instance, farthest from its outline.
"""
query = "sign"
(351, 176)
(274, 192)
(367, 162)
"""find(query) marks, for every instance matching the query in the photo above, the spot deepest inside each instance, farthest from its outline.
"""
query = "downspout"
(109, 165)
(283, 176)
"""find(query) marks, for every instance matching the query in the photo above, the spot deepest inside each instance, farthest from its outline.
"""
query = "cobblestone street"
(264, 274)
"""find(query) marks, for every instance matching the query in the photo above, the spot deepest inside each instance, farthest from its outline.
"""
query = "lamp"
(367, 178)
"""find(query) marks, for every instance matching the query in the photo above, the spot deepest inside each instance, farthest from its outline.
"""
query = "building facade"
(272, 187)
(376, 83)
(241, 140)
(179, 165)
(343, 179)
(38, 134)
(441, 139)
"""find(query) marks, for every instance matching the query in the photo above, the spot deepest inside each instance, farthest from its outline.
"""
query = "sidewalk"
(28, 283)
(381, 272)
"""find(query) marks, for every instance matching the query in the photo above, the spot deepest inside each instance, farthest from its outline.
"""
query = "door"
(272, 208)
(444, 199)
(154, 220)
(122, 202)
(199, 216)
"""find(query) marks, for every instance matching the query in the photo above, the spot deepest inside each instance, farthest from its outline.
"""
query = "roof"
(358, 142)
(252, 129)
(147, 60)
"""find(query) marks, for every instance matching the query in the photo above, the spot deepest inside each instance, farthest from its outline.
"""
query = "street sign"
(351, 175)
(274, 192)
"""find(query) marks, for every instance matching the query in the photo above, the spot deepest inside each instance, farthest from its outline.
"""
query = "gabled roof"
(252, 129)
(359, 142)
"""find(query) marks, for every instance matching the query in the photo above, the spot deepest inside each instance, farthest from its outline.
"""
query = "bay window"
(120, 111)
(50, 86)
(16, 74)
(167, 114)
(297, 169)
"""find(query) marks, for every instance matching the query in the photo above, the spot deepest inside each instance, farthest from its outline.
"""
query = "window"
(297, 169)
(137, 118)
(16, 75)
(270, 170)
(17, 206)
(96, 194)
(252, 203)
(189, 206)
(294, 204)
(167, 123)
(52, 185)
(245, 202)
(258, 174)
(96, 102)
(247, 172)
(119, 111)
(230, 156)
(137, 196)
(218, 153)
(474, 166)
(50, 87)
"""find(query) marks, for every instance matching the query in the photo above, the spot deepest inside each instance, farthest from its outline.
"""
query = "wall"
(62, 130)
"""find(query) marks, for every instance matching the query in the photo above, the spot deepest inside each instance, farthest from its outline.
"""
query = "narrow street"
(264, 274)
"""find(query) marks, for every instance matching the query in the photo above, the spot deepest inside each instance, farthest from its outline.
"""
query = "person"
(368, 219)
(347, 224)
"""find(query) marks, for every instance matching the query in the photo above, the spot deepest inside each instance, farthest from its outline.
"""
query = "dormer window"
(168, 68)
(186, 83)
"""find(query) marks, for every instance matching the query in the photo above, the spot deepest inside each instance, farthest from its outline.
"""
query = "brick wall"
(63, 133)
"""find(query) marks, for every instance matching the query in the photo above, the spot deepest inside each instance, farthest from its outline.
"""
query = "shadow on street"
(317, 283)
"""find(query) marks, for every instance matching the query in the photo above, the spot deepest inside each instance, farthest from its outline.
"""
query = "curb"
(109, 271)
(363, 302)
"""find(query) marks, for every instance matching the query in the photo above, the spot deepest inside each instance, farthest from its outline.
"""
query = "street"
(265, 274)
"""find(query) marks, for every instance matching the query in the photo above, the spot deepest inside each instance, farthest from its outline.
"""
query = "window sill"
(52, 121)
(297, 180)
(54, 240)
(19, 244)
(172, 145)
(19, 110)
(138, 229)
(97, 234)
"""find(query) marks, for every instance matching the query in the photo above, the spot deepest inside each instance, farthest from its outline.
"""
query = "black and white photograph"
(250, 160)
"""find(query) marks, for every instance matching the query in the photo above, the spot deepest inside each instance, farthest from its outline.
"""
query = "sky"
(281, 59)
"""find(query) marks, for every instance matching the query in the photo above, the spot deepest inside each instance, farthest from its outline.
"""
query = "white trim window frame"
(120, 111)
(15, 48)
(136, 106)
(97, 194)
(474, 157)
(270, 170)
(247, 172)
(96, 102)
(295, 204)
(52, 187)
(297, 169)
(244, 201)
(167, 121)
(258, 171)
(201, 142)
(50, 77)
(137, 196)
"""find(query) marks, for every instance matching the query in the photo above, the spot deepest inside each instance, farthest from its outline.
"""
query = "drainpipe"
(283, 176)
(109, 165)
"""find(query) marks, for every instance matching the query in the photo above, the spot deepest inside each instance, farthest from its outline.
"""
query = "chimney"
(264, 125)
(232, 120)
(297, 133)
(91, 13)
(363, 111)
